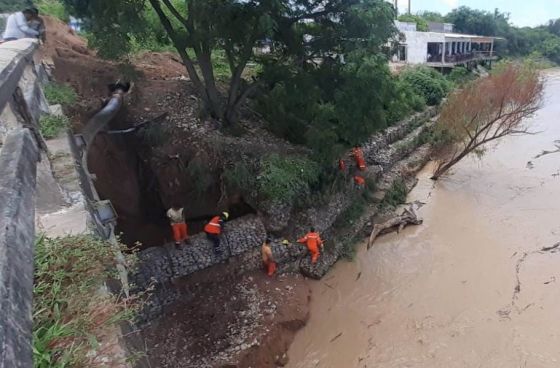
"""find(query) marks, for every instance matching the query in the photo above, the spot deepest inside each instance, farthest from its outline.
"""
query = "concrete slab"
(66, 221)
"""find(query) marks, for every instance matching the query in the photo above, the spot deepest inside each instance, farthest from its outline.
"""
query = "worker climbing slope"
(313, 241)
(268, 260)
(358, 155)
(214, 229)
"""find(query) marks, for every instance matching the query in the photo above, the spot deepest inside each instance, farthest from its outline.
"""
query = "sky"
(522, 12)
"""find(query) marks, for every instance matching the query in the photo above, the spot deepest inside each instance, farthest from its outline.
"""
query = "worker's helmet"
(285, 242)
(225, 215)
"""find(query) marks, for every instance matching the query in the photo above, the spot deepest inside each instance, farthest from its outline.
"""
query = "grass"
(51, 125)
(60, 94)
(395, 195)
(69, 312)
(284, 178)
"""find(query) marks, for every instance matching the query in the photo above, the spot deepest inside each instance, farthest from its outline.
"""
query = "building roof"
(480, 38)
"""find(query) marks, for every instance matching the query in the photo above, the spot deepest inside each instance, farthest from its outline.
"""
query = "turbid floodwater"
(477, 285)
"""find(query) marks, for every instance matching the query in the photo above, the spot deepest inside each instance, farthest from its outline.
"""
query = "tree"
(300, 30)
(488, 109)
(421, 23)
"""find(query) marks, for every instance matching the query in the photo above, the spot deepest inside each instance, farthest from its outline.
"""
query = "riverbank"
(474, 286)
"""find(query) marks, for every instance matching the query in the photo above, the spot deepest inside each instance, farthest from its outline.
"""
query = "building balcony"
(457, 59)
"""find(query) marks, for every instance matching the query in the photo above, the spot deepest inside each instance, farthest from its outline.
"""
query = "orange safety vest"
(342, 165)
(214, 227)
(359, 157)
(359, 180)
(312, 240)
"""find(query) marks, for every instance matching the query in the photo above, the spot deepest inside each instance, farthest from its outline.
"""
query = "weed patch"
(69, 312)
(395, 195)
(51, 125)
(60, 94)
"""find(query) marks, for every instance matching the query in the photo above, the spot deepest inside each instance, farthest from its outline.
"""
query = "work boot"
(178, 246)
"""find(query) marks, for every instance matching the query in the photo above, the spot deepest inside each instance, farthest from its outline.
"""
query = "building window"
(401, 53)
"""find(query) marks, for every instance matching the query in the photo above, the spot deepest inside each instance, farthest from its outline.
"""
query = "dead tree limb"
(397, 223)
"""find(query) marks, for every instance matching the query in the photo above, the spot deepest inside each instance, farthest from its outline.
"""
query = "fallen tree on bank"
(397, 223)
(486, 110)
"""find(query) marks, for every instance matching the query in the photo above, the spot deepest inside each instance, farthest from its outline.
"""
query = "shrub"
(460, 75)
(69, 312)
(285, 178)
(60, 94)
(54, 8)
(240, 177)
(428, 83)
(51, 125)
(395, 195)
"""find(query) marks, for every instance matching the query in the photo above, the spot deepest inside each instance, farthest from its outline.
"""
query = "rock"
(56, 110)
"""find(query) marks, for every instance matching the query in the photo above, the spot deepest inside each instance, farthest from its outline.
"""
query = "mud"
(475, 286)
(237, 321)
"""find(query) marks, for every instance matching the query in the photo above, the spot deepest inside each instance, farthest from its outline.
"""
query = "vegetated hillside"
(279, 158)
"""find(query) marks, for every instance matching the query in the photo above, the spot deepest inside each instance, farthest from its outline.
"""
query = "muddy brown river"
(470, 288)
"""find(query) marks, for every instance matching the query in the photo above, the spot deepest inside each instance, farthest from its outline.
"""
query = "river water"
(468, 288)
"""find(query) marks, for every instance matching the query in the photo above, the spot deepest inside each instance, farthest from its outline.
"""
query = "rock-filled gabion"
(159, 265)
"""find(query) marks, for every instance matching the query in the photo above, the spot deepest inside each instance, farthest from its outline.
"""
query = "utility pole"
(409, 9)
(396, 2)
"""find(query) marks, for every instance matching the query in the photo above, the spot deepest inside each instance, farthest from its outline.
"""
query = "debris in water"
(336, 337)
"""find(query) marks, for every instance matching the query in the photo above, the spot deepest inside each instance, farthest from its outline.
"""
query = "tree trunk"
(213, 95)
(442, 169)
(397, 223)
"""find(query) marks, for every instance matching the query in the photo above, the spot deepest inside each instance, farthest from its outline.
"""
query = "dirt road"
(478, 285)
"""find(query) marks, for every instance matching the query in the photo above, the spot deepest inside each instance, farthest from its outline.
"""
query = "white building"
(440, 47)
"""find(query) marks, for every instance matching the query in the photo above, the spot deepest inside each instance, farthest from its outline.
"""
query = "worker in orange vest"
(178, 225)
(214, 228)
(268, 260)
(358, 155)
(313, 242)
(359, 181)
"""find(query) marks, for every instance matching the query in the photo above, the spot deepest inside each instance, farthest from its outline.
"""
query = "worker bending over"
(313, 242)
(17, 25)
(268, 260)
(214, 228)
(358, 155)
(178, 225)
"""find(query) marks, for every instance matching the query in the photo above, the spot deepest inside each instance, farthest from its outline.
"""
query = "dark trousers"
(215, 239)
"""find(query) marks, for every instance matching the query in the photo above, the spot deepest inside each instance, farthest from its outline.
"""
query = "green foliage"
(7, 6)
(62, 94)
(68, 310)
(51, 125)
(53, 8)
(404, 100)
(284, 178)
(421, 23)
(199, 175)
(240, 177)
(460, 75)
(351, 214)
(216, 40)
(395, 195)
(428, 83)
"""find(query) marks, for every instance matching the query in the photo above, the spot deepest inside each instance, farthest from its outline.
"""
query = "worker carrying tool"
(313, 242)
(178, 225)
(358, 155)
(214, 228)
(268, 260)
